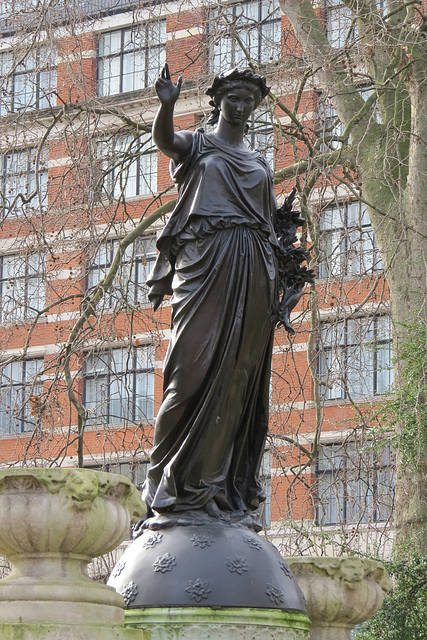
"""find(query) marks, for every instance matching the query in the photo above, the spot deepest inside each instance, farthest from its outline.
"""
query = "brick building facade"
(79, 174)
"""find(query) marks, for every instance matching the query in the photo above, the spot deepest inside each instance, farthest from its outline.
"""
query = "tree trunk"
(390, 160)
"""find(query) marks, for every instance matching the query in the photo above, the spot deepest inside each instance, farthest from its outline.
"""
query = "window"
(119, 386)
(355, 357)
(354, 485)
(126, 167)
(135, 470)
(347, 243)
(265, 477)
(331, 127)
(20, 382)
(29, 83)
(131, 59)
(261, 135)
(339, 23)
(24, 175)
(129, 285)
(257, 25)
(22, 287)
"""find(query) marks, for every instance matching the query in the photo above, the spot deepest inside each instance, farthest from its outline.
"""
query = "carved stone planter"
(53, 522)
(340, 592)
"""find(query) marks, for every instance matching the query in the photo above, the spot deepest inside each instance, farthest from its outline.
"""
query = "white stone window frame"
(341, 26)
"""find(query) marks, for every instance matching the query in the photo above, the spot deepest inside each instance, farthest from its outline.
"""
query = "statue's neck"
(230, 134)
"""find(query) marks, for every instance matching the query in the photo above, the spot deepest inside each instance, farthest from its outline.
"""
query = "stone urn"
(340, 592)
(53, 522)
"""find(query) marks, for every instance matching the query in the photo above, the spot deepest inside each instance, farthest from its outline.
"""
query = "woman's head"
(235, 78)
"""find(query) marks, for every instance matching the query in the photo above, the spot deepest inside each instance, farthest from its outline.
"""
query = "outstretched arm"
(173, 144)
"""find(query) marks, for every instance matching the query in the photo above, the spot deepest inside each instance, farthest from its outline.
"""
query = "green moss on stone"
(9, 631)
(207, 615)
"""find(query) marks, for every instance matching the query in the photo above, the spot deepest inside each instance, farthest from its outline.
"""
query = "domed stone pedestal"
(209, 581)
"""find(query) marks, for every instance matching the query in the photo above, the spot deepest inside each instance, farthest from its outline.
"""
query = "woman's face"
(237, 104)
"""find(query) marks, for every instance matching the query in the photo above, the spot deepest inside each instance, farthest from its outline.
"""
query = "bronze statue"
(218, 258)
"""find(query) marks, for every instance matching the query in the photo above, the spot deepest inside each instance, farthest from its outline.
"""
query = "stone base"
(204, 623)
(69, 632)
(59, 602)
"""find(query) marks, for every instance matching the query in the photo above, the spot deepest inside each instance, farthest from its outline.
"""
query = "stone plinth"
(53, 522)
(204, 623)
(340, 592)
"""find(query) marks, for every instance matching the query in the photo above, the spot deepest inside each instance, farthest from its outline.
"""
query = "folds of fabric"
(212, 424)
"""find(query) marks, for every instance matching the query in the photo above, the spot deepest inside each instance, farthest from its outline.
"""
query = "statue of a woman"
(217, 259)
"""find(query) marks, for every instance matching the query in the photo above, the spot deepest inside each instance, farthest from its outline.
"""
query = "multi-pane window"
(22, 286)
(355, 357)
(242, 30)
(24, 182)
(347, 243)
(354, 485)
(132, 58)
(135, 470)
(261, 134)
(29, 80)
(340, 27)
(21, 386)
(129, 286)
(126, 167)
(119, 386)
(331, 128)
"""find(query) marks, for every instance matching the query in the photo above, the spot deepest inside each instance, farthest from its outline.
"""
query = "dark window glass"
(354, 485)
(119, 386)
(21, 390)
(129, 286)
(132, 58)
(22, 287)
(29, 80)
(256, 24)
(355, 357)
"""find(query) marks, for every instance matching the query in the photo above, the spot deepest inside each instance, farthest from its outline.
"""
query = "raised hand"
(167, 91)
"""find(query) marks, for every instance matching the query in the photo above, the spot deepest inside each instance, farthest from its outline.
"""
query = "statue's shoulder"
(262, 160)
(180, 171)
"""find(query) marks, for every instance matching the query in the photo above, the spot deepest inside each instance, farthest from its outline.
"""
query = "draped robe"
(217, 259)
